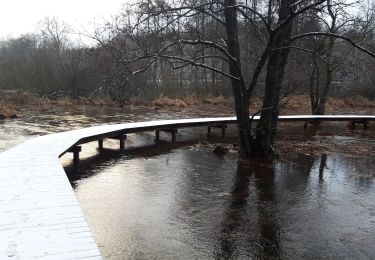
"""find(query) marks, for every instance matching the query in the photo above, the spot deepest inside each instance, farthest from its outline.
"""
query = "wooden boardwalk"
(39, 214)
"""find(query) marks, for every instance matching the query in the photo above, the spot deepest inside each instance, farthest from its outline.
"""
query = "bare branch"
(198, 64)
(313, 52)
(347, 39)
(263, 19)
(211, 44)
(258, 69)
(296, 13)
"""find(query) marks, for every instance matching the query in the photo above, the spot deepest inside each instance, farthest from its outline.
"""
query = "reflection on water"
(249, 229)
(189, 204)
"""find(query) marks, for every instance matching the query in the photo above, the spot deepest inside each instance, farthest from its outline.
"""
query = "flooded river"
(180, 201)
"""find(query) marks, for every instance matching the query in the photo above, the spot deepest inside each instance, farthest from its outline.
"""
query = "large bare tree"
(181, 46)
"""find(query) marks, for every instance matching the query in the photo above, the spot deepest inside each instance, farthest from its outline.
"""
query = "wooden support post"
(365, 125)
(352, 124)
(364, 122)
(75, 150)
(76, 158)
(122, 139)
(313, 123)
(173, 132)
(100, 145)
(223, 127)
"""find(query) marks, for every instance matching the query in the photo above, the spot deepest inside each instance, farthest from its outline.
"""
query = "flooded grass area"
(178, 200)
(16, 131)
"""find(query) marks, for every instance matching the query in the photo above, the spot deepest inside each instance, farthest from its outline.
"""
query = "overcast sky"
(22, 16)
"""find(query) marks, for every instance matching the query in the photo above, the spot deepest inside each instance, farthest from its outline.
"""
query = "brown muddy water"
(180, 201)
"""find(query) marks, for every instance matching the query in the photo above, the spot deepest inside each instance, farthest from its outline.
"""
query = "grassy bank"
(295, 104)
(14, 103)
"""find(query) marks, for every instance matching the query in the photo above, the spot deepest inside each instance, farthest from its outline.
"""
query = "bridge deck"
(39, 214)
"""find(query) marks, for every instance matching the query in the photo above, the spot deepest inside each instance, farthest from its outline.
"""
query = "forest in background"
(50, 65)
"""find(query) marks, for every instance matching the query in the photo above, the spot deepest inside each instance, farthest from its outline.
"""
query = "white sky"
(22, 16)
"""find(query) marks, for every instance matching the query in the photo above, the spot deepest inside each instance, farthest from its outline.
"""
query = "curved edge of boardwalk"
(39, 213)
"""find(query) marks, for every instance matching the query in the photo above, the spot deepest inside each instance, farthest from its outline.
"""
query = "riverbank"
(16, 103)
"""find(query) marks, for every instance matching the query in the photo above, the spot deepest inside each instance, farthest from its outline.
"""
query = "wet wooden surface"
(39, 214)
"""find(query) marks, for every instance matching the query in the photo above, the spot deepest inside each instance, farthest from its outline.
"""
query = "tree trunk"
(322, 96)
(277, 61)
(238, 86)
(327, 85)
(314, 87)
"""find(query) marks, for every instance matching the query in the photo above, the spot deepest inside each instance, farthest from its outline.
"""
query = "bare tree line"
(266, 48)
(46, 63)
(32, 63)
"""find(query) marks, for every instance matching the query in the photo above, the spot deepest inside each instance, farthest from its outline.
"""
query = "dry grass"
(24, 100)
(163, 102)
(219, 105)
(359, 101)
(219, 100)
(95, 101)
(64, 101)
(297, 104)
(138, 102)
(6, 111)
(192, 100)
(255, 104)
(300, 104)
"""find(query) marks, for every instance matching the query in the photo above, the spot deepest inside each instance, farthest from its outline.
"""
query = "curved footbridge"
(39, 214)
